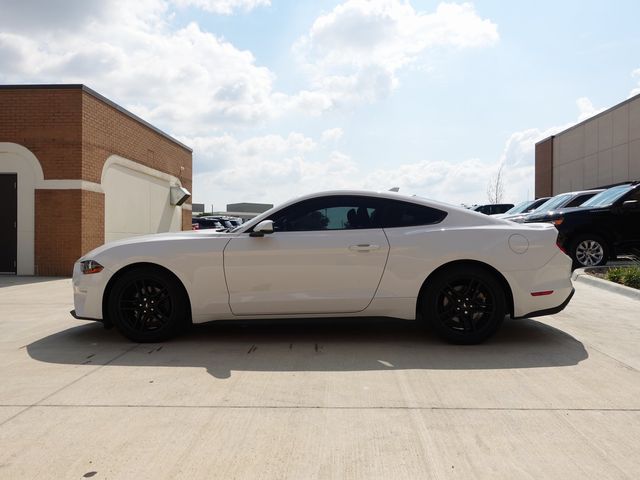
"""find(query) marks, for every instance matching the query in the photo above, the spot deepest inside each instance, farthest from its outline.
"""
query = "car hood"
(155, 237)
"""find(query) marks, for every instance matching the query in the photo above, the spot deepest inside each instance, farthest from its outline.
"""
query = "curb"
(581, 276)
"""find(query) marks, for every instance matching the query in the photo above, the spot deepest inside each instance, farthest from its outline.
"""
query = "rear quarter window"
(404, 214)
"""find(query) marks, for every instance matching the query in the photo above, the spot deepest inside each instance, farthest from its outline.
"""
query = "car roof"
(427, 202)
(581, 192)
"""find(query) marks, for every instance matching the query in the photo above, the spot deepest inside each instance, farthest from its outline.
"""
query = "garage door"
(137, 203)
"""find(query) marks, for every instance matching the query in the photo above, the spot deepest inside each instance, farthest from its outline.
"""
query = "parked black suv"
(603, 227)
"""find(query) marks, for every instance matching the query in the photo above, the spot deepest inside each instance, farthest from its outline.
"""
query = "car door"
(627, 218)
(326, 255)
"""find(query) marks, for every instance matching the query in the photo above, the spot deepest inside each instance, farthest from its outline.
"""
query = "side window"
(579, 200)
(328, 213)
(405, 214)
(634, 196)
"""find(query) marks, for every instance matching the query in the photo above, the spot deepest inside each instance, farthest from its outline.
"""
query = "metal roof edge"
(597, 115)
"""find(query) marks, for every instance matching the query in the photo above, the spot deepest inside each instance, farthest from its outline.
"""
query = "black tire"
(464, 304)
(589, 250)
(147, 304)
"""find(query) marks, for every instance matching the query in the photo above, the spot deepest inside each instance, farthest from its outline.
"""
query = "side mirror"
(265, 227)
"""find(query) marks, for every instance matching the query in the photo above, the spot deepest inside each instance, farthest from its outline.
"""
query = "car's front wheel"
(464, 304)
(589, 251)
(147, 304)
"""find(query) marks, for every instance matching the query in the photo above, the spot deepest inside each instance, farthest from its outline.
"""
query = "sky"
(282, 98)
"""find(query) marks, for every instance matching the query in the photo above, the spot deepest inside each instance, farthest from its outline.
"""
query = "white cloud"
(274, 168)
(187, 81)
(270, 168)
(245, 157)
(332, 134)
(586, 109)
(223, 7)
(191, 82)
(354, 52)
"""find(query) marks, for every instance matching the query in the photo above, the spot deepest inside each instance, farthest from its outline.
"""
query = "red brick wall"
(186, 219)
(47, 122)
(58, 235)
(92, 221)
(107, 131)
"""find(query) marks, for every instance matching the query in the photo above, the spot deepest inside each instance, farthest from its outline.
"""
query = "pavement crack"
(323, 407)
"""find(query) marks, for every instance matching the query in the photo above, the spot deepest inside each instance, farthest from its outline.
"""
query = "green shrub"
(615, 274)
(632, 278)
(629, 276)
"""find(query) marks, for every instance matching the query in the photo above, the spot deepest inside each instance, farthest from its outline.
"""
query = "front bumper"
(87, 293)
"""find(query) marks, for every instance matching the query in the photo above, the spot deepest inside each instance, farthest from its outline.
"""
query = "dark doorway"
(8, 222)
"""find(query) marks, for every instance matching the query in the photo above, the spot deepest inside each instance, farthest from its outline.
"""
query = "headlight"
(90, 266)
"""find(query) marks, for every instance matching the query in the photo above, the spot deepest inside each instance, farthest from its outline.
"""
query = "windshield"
(521, 207)
(553, 202)
(607, 197)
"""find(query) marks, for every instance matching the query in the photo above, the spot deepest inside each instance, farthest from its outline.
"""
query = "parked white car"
(340, 253)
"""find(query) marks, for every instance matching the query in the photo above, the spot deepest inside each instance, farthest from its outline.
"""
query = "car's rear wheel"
(148, 305)
(589, 251)
(464, 304)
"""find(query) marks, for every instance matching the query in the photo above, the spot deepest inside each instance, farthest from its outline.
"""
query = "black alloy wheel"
(464, 304)
(147, 305)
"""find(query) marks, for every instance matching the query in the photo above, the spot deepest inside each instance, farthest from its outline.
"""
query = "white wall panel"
(591, 138)
(600, 151)
(634, 120)
(620, 163)
(605, 132)
(605, 167)
(620, 125)
(137, 203)
(634, 159)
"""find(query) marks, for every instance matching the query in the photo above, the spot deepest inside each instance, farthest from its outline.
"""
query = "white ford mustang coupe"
(331, 254)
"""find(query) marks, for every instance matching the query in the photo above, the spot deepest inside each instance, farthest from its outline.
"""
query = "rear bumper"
(554, 277)
(550, 311)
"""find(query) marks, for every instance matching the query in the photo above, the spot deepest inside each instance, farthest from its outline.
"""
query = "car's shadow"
(315, 345)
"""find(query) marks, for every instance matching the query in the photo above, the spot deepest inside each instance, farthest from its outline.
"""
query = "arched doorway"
(18, 161)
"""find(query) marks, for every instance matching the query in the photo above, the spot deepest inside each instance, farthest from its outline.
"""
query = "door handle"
(364, 247)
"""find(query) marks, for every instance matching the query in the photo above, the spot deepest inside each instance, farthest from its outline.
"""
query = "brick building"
(77, 170)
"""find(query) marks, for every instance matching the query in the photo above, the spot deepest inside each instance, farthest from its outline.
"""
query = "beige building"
(601, 151)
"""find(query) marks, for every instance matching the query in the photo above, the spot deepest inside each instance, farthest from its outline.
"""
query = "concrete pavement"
(556, 397)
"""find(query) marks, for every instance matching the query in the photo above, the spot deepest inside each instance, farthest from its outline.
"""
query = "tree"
(495, 189)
